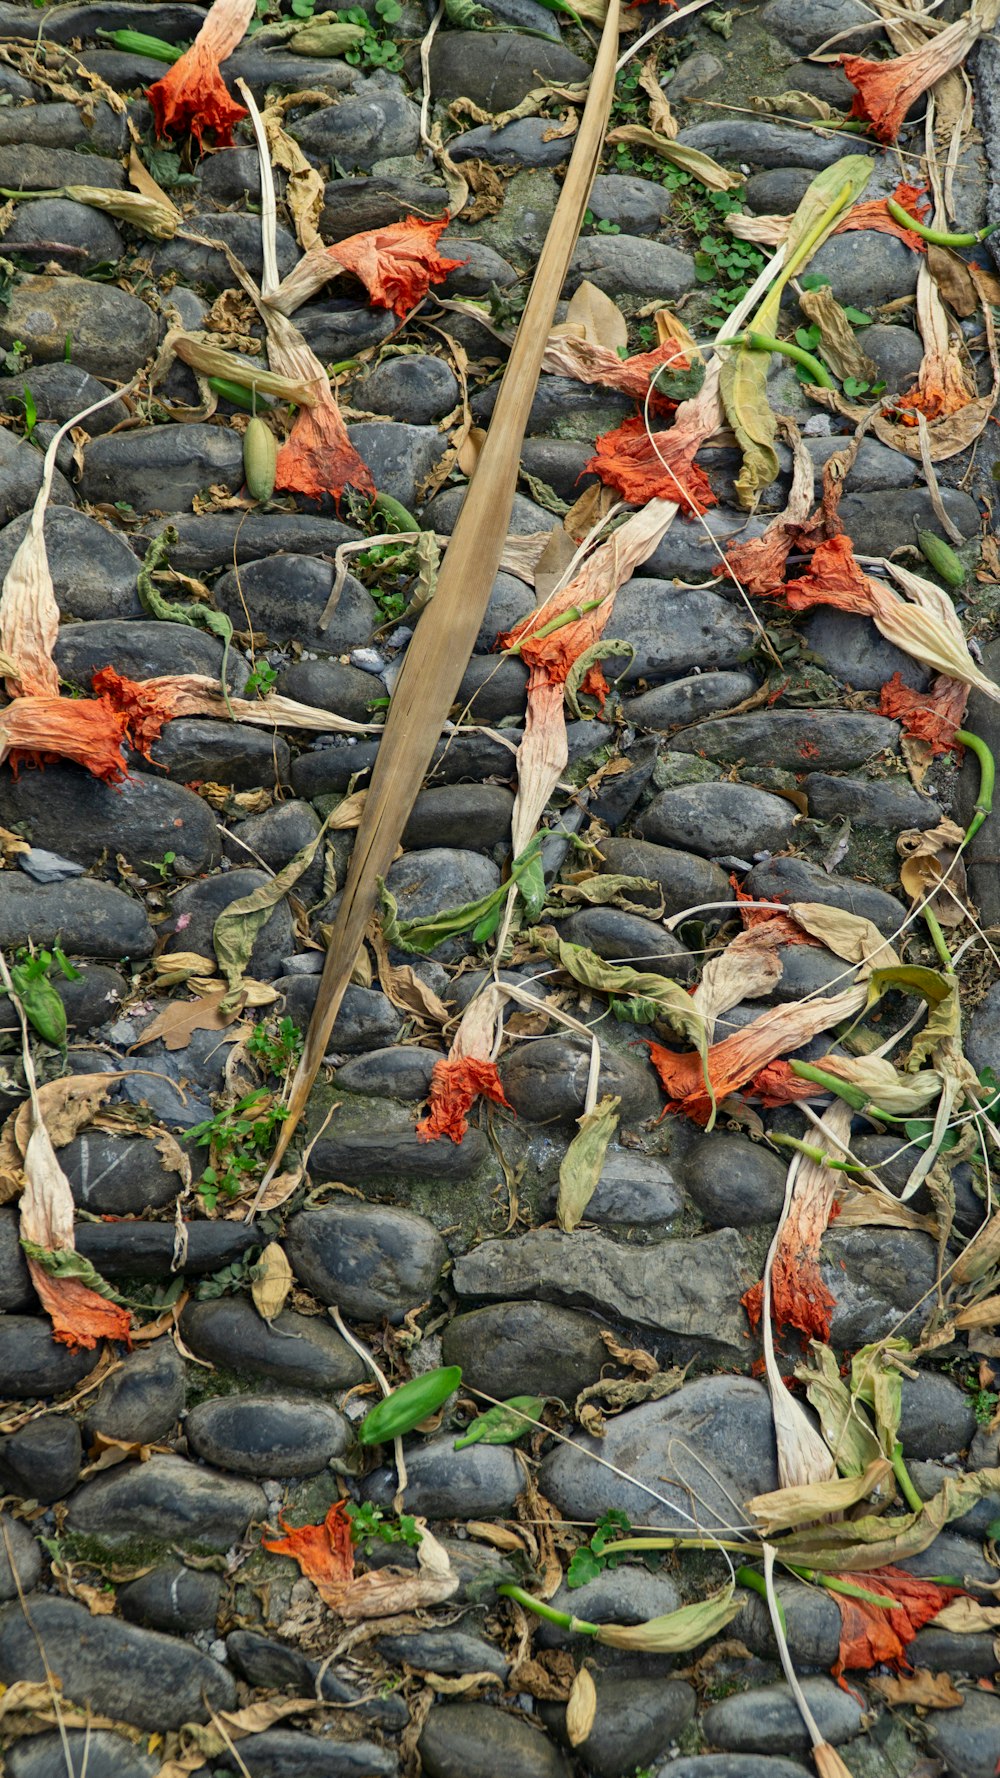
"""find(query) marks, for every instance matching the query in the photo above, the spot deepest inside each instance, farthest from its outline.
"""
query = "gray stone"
(339, 328)
(866, 268)
(682, 880)
(805, 30)
(559, 462)
(496, 69)
(718, 819)
(232, 176)
(547, 1079)
(953, 1554)
(476, 1482)
(636, 1195)
(17, 1292)
(286, 597)
(525, 1348)
(521, 143)
(687, 700)
(637, 205)
(853, 650)
(369, 1259)
(694, 75)
(982, 1045)
(493, 690)
(876, 1278)
(891, 803)
(778, 191)
(330, 685)
(946, 1651)
(112, 332)
(140, 819)
(733, 1765)
(813, 1625)
(132, 1675)
(31, 168)
(207, 542)
(295, 1351)
(510, 600)
(428, 882)
(92, 918)
(400, 457)
(208, 266)
(689, 1289)
(351, 206)
(21, 478)
(692, 552)
(793, 739)
(60, 124)
(733, 1181)
(74, 235)
(627, 938)
(283, 1753)
(142, 650)
(172, 1598)
(366, 1017)
(984, 880)
(806, 970)
(399, 1072)
(767, 1720)
(481, 267)
(450, 814)
(98, 1752)
(42, 1461)
(265, 1435)
(793, 879)
(143, 1400)
(525, 518)
(157, 468)
(274, 837)
(937, 1416)
(672, 633)
(47, 867)
(630, 265)
(20, 1558)
(625, 1594)
(375, 123)
(197, 749)
(135, 1249)
(205, 901)
(766, 144)
(60, 391)
(418, 390)
(897, 353)
(875, 466)
(714, 1436)
(475, 1741)
(444, 1651)
(637, 1719)
(262, 1662)
(879, 524)
(166, 1500)
(262, 67)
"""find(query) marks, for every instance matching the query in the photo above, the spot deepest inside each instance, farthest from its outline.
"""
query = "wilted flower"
(397, 265)
(192, 95)
(886, 90)
(41, 730)
(456, 1083)
(642, 466)
(932, 715)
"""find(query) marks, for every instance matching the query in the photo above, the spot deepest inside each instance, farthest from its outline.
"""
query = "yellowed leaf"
(967, 1617)
(601, 319)
(812, 1501)
(500, 1536)
(581, 1708)
(920, 1689)
(272, 1280)
(660, 115)
(180, 1019)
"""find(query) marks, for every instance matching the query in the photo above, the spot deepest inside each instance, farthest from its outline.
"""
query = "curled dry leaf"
(581, 1708)
(928, 858)
(581, 1166)
(272, 1280)
(179, 1021)
(967, 1617)
(806, 1504)
(920, 1690)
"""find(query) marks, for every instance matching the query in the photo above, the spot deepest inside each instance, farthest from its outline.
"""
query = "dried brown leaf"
(601, 319)
(179, 1020)
(920, 1689)
(272, 1280)
(581, 1708)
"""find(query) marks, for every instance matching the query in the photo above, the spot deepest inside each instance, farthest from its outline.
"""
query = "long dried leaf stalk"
(445, 635)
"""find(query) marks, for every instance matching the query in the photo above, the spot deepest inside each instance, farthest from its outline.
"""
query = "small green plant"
(31, 974)
(276, 1048)
(30, 414)
(261, 681)
(165, 166)
(239, 1139)
(984, 1402)
(16, 359)
(601, 225)
(162, 867)
(369, 1526)
(854, 387)
(591, 1560)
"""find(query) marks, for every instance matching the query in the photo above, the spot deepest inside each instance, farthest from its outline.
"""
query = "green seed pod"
(260, 459)
(43, 1008)
(139, 43)
(405, 1408)
(941, 557)
(326, 40)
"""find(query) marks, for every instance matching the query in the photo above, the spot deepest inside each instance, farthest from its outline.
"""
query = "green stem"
(569, 616)
(765, 342)
(936, 236)
(902, 1476)
(933, 925)
(852, 1096)
(847, 1587)
(815, 1154)
(564, 1619)
(673, 1543)
(805, 248)
(987, 775)
(56, 191)
(748, 1577)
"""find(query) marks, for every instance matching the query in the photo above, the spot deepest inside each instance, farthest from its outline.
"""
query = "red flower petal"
(931, 715)
(871, 1635)
(324, 1552)
(397, 265)
(645, 467)
(80, 1316)
(41, 730)
(318, 458)
(456, 1083)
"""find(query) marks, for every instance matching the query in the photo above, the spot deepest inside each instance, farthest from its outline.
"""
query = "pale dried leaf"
(272, 1280)
(920, 1689)
(805, 1504)
(179, 1020)
(601, 319)
(581, 1708)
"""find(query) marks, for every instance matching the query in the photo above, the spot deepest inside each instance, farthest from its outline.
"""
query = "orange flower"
(943, 388)
(318, 458)
(643, 466)
(832, 578)
(324, 1552)
(457, 1082)
(80, 1316)
(192, 95)
(886, 90)
(397, 265)
(40, 730)
(142, 706)
(932, 715)
(777, 1084)
(871, 1635)
(791, 933)
(590, 363)
(873, 214)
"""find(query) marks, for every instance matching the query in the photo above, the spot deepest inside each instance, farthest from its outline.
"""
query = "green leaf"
(235, 931)
(584, 1566)
(580, 1170)
(503, 1423)
(483, 916)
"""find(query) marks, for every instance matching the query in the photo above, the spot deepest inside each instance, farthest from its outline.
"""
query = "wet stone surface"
(754, 753)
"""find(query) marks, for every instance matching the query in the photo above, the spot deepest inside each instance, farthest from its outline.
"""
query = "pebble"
(877, 1279)
(294, 1351)
(59, 391)
(494, 691)
(209, 541)
(636, 205)
(374, 123)
(547, 1078)
(967, 1739)
(793, 879)
(172, 1598)
(715, 1436)
(897, 353)
(265, 1435)
(141, 650)
(812, 1625)
(767, 145)
(522, 143)
(636, 1195)
(366, 1016)
(71, 234)
(112, 333)
(792, 739)
(143, 1400)
(286, 596)
(155, 468)
(688, 1289)
(733, 1765)
(703, 630)
(263, 1662)
(880, 524)
(767, 1720)
(686, 700)
(683, 881)
(283, 1753)
(637, 1719)
(806, 31)
(477, 1482)
(203, 903)
(31, 168)
(274, 837)
(142, 818)
(41, 1461)
(852, 649)
(496, 69)
(444, 1651)
(33, 1364)
(525, 1348)
(329, 685)
(146, 1249)
(398, 1072)
(866, 268)
(208, 267)
(625, 1594)
(400, 457)
(892, 804)
(715, 819)
(20, 1558)
(166, 1500)
(372, 1261)
(734, 1182)
(98, 1752)
(631, 266)
(936, 1416)
(21, 478)
(16, 1289)
(350, 206)
(418, 389)
(133, 1675)
(197, 750)
(479, 1742)
(627, 938)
